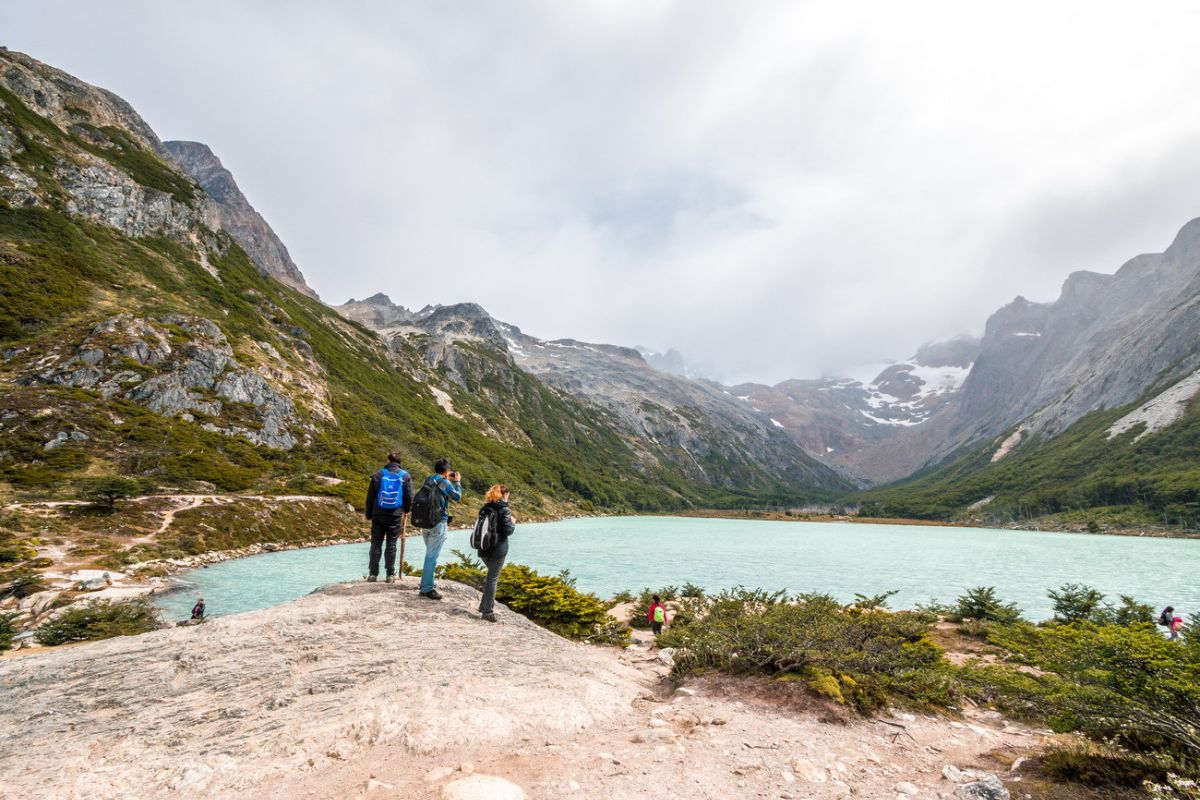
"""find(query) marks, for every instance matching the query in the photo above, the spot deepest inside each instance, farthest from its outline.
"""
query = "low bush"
(1097, 765)
(104, 492)
(8, 630)
(981, 604)
(862, 658)
(551, 601)
(20, 583)
(100, 619)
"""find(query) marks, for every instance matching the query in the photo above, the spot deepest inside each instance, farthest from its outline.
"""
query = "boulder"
(808, 771)
(988, 787)
(906, 788)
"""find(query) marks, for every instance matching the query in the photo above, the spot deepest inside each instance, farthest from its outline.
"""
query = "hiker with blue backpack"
(389, 498)
(430, 512)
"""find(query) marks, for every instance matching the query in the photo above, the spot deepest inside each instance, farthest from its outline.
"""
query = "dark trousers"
(385, 527)
(656, 627)
(494, 565)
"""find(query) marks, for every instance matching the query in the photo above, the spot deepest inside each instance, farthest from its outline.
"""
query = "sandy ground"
(366, 690)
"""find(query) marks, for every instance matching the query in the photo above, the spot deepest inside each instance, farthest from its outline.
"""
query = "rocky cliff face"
(237, 216)
(695, 428)
(1104, 343)
(65, 143)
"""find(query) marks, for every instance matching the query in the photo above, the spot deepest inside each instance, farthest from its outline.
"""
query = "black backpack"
(486, 535)
(1163, 619)
(426, 506)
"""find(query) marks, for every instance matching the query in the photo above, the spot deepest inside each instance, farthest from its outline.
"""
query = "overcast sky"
(778, 189)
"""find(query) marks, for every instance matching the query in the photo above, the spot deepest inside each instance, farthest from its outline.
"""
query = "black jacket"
(504, 526)
(406, 495)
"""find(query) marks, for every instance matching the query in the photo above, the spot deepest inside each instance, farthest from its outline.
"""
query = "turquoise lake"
(609, 554)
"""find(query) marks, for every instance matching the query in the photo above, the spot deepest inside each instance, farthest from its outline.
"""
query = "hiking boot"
(391, 579)
(489, 617)
(432, 594)
(372, 578)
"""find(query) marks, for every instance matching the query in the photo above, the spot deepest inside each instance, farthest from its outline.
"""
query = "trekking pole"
(403, 536)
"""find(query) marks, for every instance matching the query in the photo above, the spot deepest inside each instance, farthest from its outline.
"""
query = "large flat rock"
(229, 704)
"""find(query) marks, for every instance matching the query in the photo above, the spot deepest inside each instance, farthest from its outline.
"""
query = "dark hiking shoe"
(489, 617)
(372, 578)
(391, 579)
(432, 594)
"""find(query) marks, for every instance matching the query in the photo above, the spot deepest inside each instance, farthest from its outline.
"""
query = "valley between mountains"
(157, 330)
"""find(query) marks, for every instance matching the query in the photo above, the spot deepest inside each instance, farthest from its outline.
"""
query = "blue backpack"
(391, 489)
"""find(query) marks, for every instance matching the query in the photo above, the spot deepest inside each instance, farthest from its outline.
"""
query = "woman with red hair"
(498, 519)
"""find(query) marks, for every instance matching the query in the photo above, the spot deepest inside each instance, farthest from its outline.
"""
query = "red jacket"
(650, 613)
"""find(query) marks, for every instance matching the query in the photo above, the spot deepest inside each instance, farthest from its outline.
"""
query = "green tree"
(106, 491)
(8, 629)
(1074, 602)
(981, 603)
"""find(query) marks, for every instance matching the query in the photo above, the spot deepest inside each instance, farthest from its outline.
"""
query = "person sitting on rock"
(198, 609)
(448, 486)
(389, 498)
(496, 514)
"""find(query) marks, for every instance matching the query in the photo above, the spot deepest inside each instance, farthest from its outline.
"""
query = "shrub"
(551, 601)
(1074, 602)
(981, 604)
(866, 658)
(106, 491)
(1131, 612)
(8, 629)
(1097, 765)
(22, 583)
(1123, 684)
(100, 619)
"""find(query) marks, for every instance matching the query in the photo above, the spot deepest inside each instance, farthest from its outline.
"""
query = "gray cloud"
(777, 189)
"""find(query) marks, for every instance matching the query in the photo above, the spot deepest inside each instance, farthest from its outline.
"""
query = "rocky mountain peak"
(238, 217)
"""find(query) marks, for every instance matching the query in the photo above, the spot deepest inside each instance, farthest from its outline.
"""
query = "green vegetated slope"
(62, 275)
(1079, 476)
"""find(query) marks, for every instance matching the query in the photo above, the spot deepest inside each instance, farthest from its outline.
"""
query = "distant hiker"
(430, 512)
(1176, 627)
(1165, 617)
(657, 615)
(198, 609)
(389, 498)
(492, 528)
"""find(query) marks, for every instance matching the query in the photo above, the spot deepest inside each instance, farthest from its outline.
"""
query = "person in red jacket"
(657, 615)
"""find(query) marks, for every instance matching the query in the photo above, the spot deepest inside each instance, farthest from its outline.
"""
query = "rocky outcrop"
(214, 709)
(178, 366)
(91, 140)
(237, 216)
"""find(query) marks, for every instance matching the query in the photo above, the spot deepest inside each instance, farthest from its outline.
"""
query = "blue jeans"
(434, 539)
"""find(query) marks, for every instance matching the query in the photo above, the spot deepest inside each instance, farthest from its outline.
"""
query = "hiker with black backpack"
(493, 526)
(389, 498)
(430, 513)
